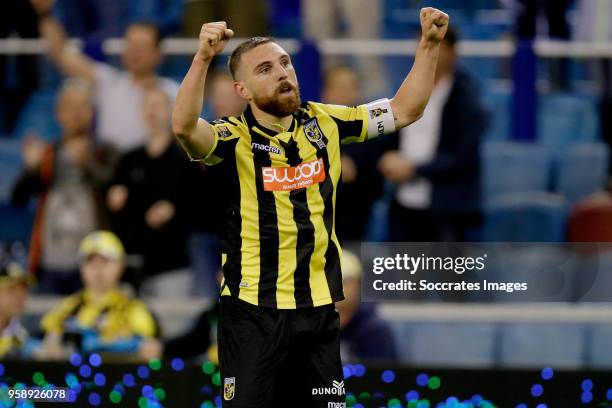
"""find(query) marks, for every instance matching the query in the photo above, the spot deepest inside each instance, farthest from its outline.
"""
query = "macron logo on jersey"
(292, 178)
(266, 148)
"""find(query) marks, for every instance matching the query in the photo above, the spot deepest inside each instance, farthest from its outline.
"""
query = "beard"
(280, 104)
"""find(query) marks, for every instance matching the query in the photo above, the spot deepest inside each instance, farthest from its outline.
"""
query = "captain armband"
(380, 120)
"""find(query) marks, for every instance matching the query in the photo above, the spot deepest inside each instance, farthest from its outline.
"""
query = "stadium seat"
(511, 167)
(498, 105)
(594, 279)
(549, 272)
(402, 334)
(564, 119)
(600, 349)
(10, 166)
(16, 223)
(537, 345)
(582, 170)
(38, 116)
(453, 344)
(526, 217)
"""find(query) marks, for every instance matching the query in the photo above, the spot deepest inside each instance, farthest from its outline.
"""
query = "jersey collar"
(252, 123)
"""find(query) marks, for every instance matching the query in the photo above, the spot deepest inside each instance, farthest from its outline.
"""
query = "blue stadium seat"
(10, 166)
(582, 170)
(511, 167)
(594, 278)
(564, 119)
(38, 116)
(525, 217)
(537, 345)
(600, 346)
(548, 271)
(402, 333)
(498, 105)
(16, 223)
(453, 344)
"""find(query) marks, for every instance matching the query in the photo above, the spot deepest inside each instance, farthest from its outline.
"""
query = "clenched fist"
(213, 39)
(434, 24)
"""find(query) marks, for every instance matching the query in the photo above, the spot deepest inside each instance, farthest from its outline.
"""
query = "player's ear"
(242, 90)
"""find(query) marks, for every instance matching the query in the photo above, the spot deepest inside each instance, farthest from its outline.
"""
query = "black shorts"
(276, 358)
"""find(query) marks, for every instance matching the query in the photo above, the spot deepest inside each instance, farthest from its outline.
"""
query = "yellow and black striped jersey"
(279, 189)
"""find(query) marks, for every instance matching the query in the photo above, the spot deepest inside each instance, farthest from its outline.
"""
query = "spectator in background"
(364, 336)
(95, 20)
(118, 93)
(527, 13)
(18, 80)
(224, 101)
(14, 285)
(322, 19)
(436, 163)
(250, 18)
(102, 317)
(361, 183)
(67, 177)
(151, 209)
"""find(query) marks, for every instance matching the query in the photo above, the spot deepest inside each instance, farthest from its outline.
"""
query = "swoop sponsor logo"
(292, 178)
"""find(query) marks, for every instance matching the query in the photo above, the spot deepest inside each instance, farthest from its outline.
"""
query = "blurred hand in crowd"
(51, 348)
(159, 214)
(395, 167)
(116, 198)
(32, 151)
(42, 6)
(150, 349)
(349, 169)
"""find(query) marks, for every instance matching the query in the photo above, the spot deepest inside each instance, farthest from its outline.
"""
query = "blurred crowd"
(121, 214)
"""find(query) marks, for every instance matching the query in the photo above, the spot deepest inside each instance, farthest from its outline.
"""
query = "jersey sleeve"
(360, 123)
(225, 135)
(53, 321)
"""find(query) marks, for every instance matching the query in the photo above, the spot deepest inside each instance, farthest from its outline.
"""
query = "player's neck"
(275, 123)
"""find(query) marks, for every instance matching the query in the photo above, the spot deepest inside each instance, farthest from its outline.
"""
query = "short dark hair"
(243, 47)
(157, 34)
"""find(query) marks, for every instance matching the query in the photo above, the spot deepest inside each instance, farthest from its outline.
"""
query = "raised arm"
(70, 61)
(194, 133)
(411, 98)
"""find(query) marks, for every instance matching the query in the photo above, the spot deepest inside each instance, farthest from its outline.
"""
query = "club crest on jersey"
(229, 388)
(375, 113)
(314, 133)
(223, 132)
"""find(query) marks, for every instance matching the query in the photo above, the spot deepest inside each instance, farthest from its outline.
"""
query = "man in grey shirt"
(118, 93)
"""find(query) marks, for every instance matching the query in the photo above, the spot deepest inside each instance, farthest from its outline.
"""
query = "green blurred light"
(38, 378)
(412, 404)
(350, 400)
(423, 404)
(434, 383)
(160, 393)
(207, 404)
(155, 364)
(208, 368)
(115, 397)
(394, 403)
(216, 378)
(364, 396)
(142, 402)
